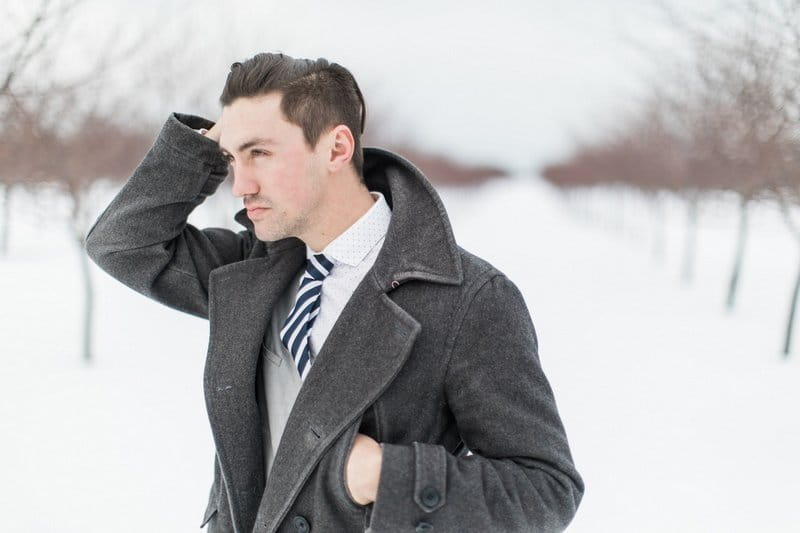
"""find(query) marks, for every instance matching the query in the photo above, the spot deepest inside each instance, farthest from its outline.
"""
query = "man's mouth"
(256, 211)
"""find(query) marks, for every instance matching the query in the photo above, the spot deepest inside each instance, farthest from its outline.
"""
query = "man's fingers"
(214, 132)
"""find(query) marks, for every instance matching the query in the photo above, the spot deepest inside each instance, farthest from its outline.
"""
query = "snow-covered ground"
(681, 417)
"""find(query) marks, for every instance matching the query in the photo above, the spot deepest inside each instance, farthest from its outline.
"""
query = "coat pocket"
(346, 443)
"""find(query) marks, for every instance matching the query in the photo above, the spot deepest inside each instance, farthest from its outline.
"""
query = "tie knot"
(318, 266)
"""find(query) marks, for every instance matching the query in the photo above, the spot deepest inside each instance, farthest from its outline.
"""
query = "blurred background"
(632, 166)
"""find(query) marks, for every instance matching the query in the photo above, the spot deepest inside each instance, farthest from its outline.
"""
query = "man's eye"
(258, 152)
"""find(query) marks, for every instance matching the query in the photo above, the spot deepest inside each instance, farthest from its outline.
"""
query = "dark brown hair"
(316, 95)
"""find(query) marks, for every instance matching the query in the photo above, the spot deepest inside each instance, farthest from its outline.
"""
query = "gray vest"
(279, 381)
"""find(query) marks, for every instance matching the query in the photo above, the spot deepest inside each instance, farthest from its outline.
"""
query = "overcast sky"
(510, 85)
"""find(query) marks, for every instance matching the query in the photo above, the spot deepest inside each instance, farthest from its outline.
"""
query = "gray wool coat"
(435, 354)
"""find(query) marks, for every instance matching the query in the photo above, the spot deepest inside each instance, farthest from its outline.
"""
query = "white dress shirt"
(352, 253)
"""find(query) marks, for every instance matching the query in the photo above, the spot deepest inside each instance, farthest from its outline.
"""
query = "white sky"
(511, 85)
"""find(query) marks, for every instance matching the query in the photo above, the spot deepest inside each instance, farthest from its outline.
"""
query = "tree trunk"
(691, 240)
(78, 231)
(733, 284)
(6, 225)
(88, 301)
(795, 230)
(792, 311)
(659, 231)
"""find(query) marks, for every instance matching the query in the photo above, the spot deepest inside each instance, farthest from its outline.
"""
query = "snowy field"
(681, 417)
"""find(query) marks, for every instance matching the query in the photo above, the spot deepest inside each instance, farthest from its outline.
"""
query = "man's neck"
(347, 205)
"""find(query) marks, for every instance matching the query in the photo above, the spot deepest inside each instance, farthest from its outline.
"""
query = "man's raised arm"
(143, 239)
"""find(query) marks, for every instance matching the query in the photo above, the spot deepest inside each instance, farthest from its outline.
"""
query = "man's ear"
(342, 146)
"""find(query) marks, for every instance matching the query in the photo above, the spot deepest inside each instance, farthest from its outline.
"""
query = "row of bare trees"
(53, 134)
(724, 121)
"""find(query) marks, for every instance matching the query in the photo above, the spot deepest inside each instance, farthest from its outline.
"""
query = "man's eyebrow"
(252, 142)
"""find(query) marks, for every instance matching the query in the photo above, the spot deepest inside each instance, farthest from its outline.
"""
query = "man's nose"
(244, 183)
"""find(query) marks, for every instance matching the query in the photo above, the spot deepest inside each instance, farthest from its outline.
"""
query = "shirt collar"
(353, 245)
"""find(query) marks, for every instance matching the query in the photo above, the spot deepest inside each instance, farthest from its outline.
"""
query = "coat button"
(301, 524)
(430, 497)
(424, 527)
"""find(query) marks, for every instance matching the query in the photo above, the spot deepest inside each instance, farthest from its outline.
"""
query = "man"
(356, 352)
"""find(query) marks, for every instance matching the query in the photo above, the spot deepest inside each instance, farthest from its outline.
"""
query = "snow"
(680, 416)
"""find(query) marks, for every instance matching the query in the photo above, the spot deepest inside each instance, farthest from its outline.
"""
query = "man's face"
(280, 179)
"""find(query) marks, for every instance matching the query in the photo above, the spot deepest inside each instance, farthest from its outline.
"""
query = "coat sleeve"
(143, 238)
(521, 476)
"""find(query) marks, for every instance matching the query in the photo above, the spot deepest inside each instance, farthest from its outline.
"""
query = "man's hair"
(316, 95)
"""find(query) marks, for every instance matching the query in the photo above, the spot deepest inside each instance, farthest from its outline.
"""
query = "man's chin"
(269, 236)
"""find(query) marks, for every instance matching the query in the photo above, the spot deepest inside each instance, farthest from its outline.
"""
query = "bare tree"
(23, 46)
(54, 131)
(726, 121)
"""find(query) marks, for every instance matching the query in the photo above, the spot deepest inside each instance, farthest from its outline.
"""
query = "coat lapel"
(241, 298)
(362, 354)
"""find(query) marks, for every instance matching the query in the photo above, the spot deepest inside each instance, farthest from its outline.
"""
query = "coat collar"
(419, 241)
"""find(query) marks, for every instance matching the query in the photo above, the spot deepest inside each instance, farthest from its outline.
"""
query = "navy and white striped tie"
(295, 332)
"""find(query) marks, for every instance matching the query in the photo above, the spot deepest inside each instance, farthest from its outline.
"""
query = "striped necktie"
(295, 332)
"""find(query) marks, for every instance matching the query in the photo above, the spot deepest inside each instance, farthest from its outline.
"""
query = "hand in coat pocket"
(363, 469)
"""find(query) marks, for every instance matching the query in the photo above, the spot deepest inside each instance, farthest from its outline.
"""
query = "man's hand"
(213, 133)
(363, 470)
